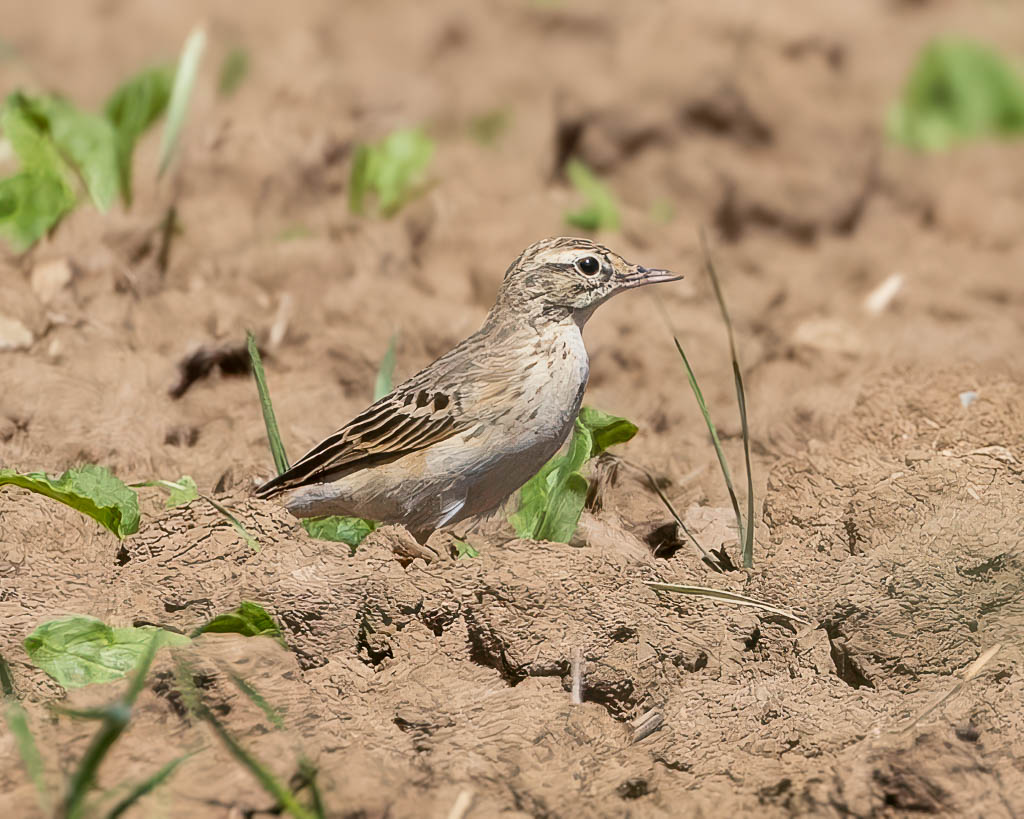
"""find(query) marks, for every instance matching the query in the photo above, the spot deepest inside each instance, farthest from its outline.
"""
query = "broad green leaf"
(233, 71)
(600, 211)
(385, 373)
(464, 550)
(249, 620)
(339, 529)
(33, 200)
(392, 169)
(957, 90)
(92, 490)
(551, 502)
(606, 429)
(79, 650)
(181, 94)
(88, 141)
(133, 108)
(183, 490)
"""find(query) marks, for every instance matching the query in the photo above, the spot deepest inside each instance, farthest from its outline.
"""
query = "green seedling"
(184, 490)
(132, 109)
(393, 170)
(386, 371)
(249, 620)
(957, 90)
(464, 550)
(58, 144)
(181, 94)
(337, 528)
(746, 532)
(600, 211)
(551, 502)
(233, 71)
(92, 490)
(79, 650)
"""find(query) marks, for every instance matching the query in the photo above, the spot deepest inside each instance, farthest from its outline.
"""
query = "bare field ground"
(888, 513)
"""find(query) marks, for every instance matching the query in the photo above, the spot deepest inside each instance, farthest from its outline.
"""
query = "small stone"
(49, 278)
(14, 335)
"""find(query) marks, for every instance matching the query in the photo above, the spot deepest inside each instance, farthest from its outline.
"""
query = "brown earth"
(888, 512)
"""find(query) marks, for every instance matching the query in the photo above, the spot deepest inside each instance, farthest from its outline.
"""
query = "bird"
(463, 434)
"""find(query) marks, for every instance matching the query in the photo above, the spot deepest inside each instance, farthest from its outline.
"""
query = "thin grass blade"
(726, 597)
(269, 419)
(181, 93)
(692, 378)
(6, 678)
(309, 772)
(269, 711)
(748, 539)
(146, 786)
(250, 541)
(17, 722)
(385, 373)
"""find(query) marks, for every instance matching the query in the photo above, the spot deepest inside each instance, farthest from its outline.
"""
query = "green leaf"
(183, 491)
(551, 502)
(80, 650)
(957, 90)
(33, 200)
(88, 141)
(269, 418)
(233, 71)
(464, 550)
(606, 429)
(249, 620)
(600, 211)
(339, 528)
(385, 373)
(392, 169)
(133, 108)
(92, 490)
(181, 93)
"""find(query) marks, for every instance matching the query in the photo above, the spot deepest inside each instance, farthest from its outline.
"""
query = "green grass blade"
(6, 678)
(270, 783)
(233, 71)
(146, 786)
(385, 373)
(250, 541)
(269, 711)
(708, 558)
(309, 772)
(181, 93)
(17, 722)
(269, 419)
(726, 597)
(714, 436)
(116, 720)
(748, 539)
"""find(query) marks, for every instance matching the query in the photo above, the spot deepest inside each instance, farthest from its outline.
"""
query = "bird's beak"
(640, 275)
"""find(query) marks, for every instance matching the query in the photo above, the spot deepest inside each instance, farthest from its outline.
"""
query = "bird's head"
(568, 278)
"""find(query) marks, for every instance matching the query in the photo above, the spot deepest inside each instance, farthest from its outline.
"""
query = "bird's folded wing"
(400, 423)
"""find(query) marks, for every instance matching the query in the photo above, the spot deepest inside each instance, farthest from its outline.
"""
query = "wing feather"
(407, 420)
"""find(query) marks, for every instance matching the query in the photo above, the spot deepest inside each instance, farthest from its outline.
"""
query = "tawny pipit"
(463, 434)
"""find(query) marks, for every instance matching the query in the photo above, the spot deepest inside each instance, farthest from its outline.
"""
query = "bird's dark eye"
(588, 265)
